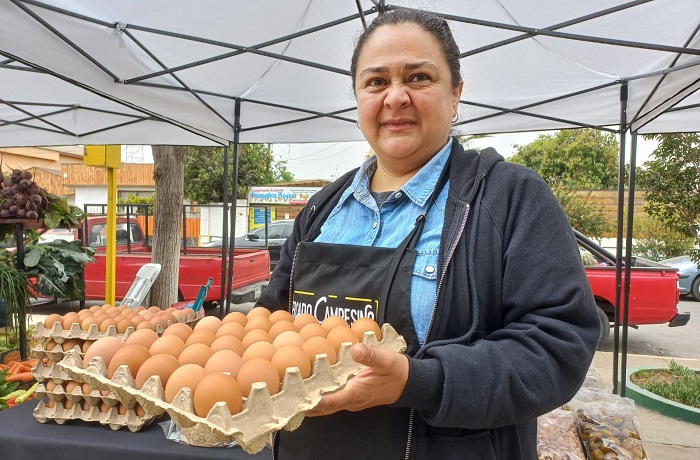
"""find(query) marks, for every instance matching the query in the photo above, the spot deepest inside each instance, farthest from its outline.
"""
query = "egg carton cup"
(76, 396)
(112, 418)
(55, 355)
(51, 372)
(262, 413)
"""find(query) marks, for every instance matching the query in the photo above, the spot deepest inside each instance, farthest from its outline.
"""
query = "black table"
(23, 437)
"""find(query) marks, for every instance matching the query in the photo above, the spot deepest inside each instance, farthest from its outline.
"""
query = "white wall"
(90, 195)
(211, 223)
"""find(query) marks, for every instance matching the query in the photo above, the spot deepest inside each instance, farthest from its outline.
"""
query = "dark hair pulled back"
(434, 25)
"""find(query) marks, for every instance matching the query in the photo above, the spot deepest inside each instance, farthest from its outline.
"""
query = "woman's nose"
(397, 96)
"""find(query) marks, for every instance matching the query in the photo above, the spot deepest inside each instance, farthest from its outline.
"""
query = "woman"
(470, 258)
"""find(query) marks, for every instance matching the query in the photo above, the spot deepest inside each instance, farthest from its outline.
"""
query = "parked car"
(688, 275)
(277, 233)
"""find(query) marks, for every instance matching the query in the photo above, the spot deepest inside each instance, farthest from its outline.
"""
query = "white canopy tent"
(277, 71)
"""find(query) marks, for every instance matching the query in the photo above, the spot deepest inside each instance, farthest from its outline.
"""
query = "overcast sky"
(331, 160)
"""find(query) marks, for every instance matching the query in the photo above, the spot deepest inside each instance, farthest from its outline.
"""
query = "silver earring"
(455, 118)
(358, 124)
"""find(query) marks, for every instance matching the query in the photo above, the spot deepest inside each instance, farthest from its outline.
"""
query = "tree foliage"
(655, 241)
(578, 158)
(671, 179)
(204, 171)
(571, 160)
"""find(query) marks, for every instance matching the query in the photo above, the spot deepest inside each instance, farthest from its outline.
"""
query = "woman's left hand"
(379, 383)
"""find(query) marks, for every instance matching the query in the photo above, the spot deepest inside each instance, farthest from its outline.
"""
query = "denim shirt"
(357, 220)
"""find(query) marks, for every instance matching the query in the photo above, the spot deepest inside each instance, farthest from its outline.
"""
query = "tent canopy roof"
(172, 72)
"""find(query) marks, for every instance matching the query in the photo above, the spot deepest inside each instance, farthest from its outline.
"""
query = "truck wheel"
(695, 289)
(604, 326)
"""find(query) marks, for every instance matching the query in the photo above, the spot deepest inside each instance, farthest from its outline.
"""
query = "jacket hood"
(472, 164)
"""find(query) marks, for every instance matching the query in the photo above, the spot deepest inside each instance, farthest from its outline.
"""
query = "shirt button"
(374, 225)
(429, 269)
(397, 195)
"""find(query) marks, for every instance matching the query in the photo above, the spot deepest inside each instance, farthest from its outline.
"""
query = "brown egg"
(232, 328)
(179, 316)
(84, 313)
(136, 319)
(313, 330)
(235, 317)
(161, 365)
(333, 321)
(50, 344)
(154, 309)
(281, 326)
(291, 356)
(188, 375)
(204, 336)
(139, 308)
(67, 404)
(208, 322)
(50, 403)
(216, 387)
(263, 350)
(190, 315)
(256, 335)
(147, 315)
(87, 322)
(169, 318)
(319, 345)
(132, 356)
(107, 306)
(227, 342)
(304, 319)
(51, 319)
(258, 370)
(84, 347)
(158, 322)
(70, 344)
(196, 353)
(122, 308)
(169, 344)
(258, 311)
(86, 406)
(112, 312)
(86, 388)
(144, 337)
(70, 386)
(258, 322)
(139, 410)
(50, 385)
(363, 325)
(288, 338)
(145, 324)
(107, 323)
(123, 325)
(280, 315)
(94, 309)
(69, 319)
(181, 330)
(224, 361)
(104, 408)
(121, 409)
(340, 334)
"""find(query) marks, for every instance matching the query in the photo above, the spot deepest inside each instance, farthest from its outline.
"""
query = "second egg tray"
(262, 413)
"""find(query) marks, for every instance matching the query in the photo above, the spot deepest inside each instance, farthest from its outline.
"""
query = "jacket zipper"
(448, 258)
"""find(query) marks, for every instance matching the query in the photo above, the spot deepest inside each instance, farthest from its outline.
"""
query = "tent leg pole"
(236, 152)
(620, 214)
(224, 235)
(628, 262)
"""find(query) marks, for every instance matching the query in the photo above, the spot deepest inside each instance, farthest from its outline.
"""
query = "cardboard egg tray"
(262, 414)
(42, 373)
(59, 414)
(59, 335)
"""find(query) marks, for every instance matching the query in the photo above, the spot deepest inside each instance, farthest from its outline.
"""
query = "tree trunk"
(168, 173)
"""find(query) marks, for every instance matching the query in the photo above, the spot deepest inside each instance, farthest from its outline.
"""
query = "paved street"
(661, 340)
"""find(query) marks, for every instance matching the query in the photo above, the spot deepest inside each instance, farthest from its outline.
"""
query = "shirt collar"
(418, 188)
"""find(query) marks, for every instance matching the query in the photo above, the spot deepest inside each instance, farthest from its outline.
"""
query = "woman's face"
(405, 98)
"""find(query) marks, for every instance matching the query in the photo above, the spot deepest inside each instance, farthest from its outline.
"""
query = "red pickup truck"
(653, 296)
(197, 264)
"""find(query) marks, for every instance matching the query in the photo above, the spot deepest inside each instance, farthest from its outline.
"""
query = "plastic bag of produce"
(557, 437)
(609, 429)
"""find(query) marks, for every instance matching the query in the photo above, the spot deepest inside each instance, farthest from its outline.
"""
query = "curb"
(654, 402)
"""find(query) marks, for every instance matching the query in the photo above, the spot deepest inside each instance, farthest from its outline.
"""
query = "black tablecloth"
(23, 437)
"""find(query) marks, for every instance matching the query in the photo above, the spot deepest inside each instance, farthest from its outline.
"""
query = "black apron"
(353, 282)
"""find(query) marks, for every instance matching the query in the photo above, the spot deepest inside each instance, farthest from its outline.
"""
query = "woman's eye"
(375, 82)
(419, 77)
